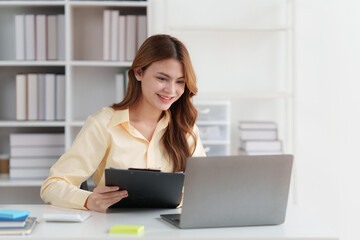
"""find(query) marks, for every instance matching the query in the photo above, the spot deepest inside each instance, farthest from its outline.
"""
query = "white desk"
(299, 225)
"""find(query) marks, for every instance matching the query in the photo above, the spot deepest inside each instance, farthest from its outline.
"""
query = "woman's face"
(162, 83)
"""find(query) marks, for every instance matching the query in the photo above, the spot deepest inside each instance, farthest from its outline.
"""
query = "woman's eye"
(181, 82)
(161, 78)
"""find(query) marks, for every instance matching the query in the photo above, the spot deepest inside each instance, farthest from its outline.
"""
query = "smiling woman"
(153, 127)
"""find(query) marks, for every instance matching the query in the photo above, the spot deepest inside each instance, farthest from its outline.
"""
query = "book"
(243, 152)
(27, 229)
(257, 125)
(51, 37)
(119, 87)
(130, 50)
(21, 97)
(41, 96)
(60, 97)
(29, 173)
(114, 35)
(30, 37)
(36, 139)
(32, 96)
(254, 134)
(13, 214)
(106, 34)
(37, 151)
(20, 36)
(49, 97)
(122, 37)
(141, 30)
(261, 146)
(40, 31)
(22, 162)
(61, 36)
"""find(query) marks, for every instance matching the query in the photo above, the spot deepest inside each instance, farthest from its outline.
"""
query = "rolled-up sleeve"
(76, 165)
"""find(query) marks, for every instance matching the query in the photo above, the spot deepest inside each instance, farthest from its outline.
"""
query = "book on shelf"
(141, 30)
(261, 146)
(51, 37)
(40, 30)
(60, 97)
(114, 39)
(50, 97)
(32, 96)
(30, 37)
(37, 139)
(21, 96)
(37, 151)
(119, 87)
(106, 34)
(20, 36)
(29, 173)
(261, 134)
(61, 36)
(41, 96)
(25, 162)
(122, 38)
(243, 152)
(130, 51)
(257, 125)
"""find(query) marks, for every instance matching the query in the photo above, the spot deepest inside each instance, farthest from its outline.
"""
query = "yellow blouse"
(106, 140)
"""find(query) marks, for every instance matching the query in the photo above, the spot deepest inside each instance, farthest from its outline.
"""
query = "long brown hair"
(183, 113)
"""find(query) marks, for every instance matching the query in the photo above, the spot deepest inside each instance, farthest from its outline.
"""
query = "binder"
(146, 188)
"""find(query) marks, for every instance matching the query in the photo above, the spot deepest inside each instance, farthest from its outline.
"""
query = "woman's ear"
(138, 73)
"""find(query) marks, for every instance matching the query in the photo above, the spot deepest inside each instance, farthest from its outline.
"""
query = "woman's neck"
(144, 113)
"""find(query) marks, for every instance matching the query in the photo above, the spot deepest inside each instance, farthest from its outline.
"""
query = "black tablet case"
(146, 188)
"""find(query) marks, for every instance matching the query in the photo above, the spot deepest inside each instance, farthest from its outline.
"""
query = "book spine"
(141, 30)
(130, 37)
(61, 36)
(122, 37)
(30, 36)
(41, 96)
(42, 151)
(49, 97)
(60, 97)
(32, 162)
(114, 34)
(32, 96)
(40, 37)
(51, 37)
(106, 35)
(20, 37)
(21, 97)
(119, 87)
(37, 139)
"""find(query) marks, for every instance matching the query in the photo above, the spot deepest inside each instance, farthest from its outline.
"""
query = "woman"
(153, 127)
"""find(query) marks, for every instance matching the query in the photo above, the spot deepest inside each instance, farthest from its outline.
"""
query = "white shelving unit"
(90, 81)
(214, 126)
(254, 68)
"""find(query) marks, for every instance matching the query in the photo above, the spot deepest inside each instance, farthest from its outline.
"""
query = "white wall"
(327, 104)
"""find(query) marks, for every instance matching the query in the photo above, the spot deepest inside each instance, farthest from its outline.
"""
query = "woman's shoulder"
(104, 115)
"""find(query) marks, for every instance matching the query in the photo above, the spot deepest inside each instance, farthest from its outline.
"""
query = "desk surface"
(299, 225)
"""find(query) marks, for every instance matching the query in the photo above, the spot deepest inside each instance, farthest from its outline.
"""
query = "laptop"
(233, 191)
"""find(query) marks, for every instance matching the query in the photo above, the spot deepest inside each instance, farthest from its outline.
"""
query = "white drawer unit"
(214, 126)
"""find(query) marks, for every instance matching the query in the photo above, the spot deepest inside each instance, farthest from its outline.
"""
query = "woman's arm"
(77, 164)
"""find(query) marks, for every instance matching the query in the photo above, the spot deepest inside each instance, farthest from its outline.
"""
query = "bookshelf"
(87, 75)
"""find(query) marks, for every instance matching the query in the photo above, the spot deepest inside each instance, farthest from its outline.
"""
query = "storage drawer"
(213, 132)
(212, 112)
(216, 150)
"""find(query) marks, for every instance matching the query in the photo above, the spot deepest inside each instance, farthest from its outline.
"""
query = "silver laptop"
(234, 191)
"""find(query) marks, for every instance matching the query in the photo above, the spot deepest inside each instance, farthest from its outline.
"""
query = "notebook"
(146, 188)
(232, 191)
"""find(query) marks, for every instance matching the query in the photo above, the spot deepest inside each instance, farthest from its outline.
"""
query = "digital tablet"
(146, 188)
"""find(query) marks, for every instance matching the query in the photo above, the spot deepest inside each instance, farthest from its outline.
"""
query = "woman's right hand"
(103, 197)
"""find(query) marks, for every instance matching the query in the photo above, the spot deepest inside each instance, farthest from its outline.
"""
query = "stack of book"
(122, 35)
(259, 138)
(15, 222)
(40, 96)
(32, 155)
(40, 37)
